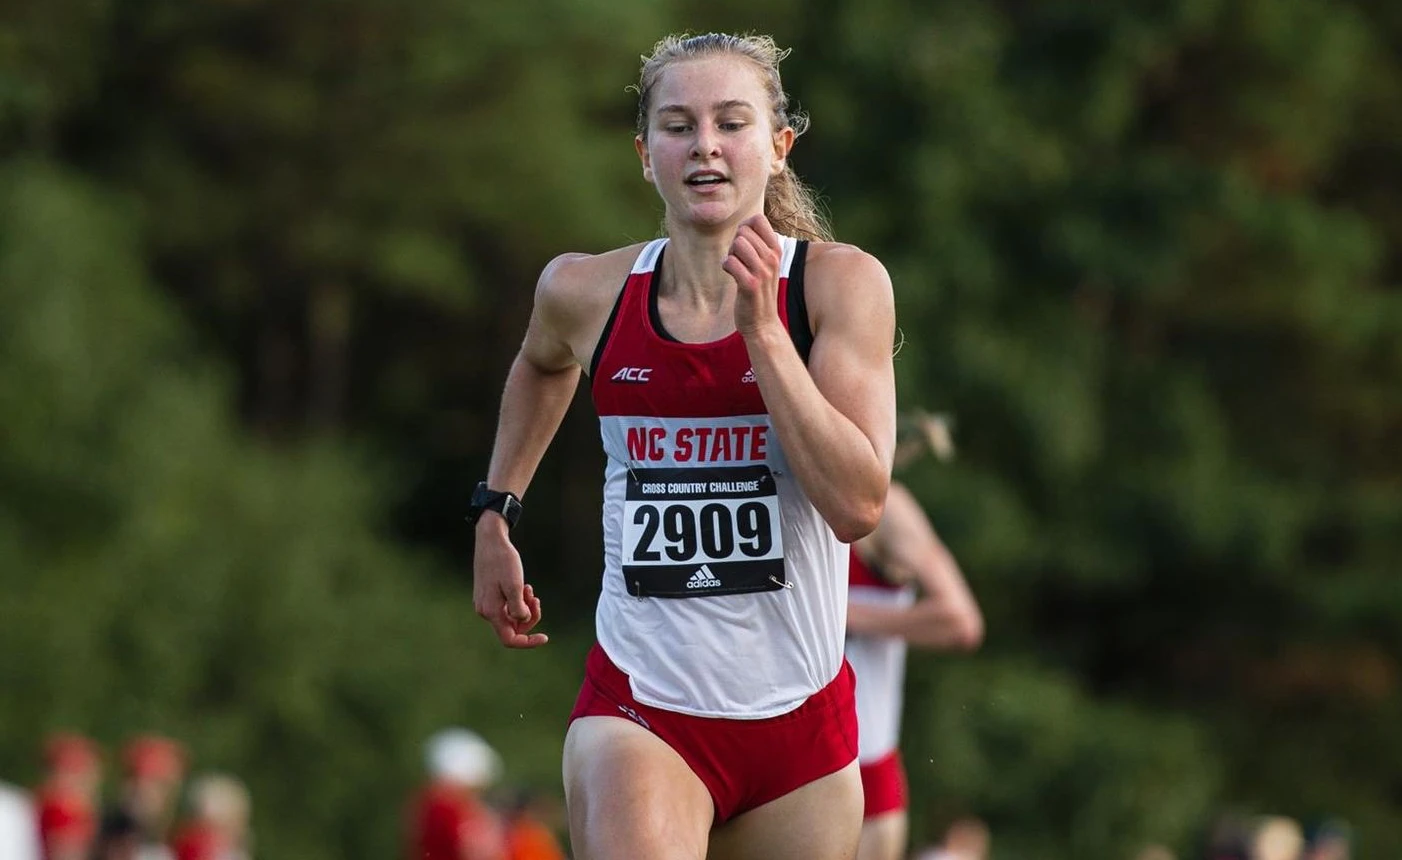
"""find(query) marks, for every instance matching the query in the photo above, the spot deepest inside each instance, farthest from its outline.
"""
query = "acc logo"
(632, 374)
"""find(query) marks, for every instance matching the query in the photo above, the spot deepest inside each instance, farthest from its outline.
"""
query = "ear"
(783, 142)
(640, 144)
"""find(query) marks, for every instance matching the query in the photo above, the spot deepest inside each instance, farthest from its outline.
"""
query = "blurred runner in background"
(905, 589)
(67, 802)
(449, 820)
(218, 824)
(153, 768)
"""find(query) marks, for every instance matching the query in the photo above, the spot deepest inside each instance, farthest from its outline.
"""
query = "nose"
(706, 144)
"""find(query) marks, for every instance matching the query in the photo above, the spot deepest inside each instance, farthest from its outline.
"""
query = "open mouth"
(705, 178)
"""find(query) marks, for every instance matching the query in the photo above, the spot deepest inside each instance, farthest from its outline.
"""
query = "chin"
(709, 216)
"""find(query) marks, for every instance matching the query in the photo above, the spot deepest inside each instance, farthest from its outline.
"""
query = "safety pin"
(775, 580)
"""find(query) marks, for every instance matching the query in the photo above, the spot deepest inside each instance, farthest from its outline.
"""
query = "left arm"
(836, 417)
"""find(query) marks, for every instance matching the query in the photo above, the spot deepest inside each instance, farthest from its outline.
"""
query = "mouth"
(706, 179)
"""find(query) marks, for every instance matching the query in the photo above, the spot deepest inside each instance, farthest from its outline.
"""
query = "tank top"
(879, 664)
(724, 590)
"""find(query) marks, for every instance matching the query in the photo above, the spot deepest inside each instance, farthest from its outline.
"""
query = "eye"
(676, 128)
(732, 125)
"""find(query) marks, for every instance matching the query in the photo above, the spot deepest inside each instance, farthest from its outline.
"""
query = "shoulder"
(577, 277)
(840, 263)
(576, 291)
(848, 288)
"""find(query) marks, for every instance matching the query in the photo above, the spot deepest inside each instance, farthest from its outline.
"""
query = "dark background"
(263, 266)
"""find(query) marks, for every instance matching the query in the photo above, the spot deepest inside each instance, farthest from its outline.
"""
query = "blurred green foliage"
(263, 266)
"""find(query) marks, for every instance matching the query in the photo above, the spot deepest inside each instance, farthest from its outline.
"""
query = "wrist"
(504, 503)
(766, 336)
(492, 525)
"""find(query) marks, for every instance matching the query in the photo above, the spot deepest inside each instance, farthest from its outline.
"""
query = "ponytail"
(793, 210)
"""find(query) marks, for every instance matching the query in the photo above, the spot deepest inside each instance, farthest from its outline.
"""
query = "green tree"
(164, 572)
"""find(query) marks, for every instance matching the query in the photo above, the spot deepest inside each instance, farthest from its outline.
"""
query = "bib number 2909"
(716, 531)
(703, 531)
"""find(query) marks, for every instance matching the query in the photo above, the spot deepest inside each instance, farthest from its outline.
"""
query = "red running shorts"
(744, 764)
(884, 785)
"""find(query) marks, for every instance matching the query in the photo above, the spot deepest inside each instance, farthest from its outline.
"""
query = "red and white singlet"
(879, 664)
(724, 591)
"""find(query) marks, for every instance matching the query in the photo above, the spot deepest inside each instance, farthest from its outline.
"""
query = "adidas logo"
(703, 578)
(749, 376)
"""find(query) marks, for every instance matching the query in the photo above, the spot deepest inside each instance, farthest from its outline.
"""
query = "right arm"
(538, 392)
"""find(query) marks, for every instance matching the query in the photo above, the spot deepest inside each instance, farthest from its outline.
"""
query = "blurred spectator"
(1332, 840)
(449, 820)
(528, 835)
(1229, 838)
(966, 839)
(67, 801)
(218, 825)
(153, 768)
(1277, 838)
(119, 838)
(19, 839)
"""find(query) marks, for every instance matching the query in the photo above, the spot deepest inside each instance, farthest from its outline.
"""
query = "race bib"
(701, 532)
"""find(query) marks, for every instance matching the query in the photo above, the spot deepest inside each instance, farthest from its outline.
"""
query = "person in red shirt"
(67, 800)
(449, 820)
(218, 827)
(153, 770)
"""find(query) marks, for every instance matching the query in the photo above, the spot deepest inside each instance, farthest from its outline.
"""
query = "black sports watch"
(486, 499)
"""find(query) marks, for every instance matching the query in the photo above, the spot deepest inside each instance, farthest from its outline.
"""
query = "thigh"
(818, 821)
(629, 795)
(883, 837)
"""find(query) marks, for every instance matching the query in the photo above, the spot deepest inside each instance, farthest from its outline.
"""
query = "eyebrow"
(718, 106)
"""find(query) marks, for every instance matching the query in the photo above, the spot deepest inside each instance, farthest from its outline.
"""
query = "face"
(84, 781)
(150, 798)
(710, 147)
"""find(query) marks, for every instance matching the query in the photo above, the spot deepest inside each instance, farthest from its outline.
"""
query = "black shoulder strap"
(608, 330)
(800, 328)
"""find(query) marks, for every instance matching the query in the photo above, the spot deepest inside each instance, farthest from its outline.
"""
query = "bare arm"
(538, 392)
(946, 616)
(834, 417)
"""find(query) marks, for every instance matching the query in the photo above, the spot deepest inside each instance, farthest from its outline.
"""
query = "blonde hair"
(220, 798)
(790, 206)
(919, 432)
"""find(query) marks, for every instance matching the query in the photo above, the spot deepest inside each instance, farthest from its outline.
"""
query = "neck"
(693, 272)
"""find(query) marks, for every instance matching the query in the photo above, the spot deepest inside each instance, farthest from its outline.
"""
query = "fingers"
(513, 638)
(765, 231)
(533, 604)
(748, 263)
(742, 273)
(514, 634)
(516, 608)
